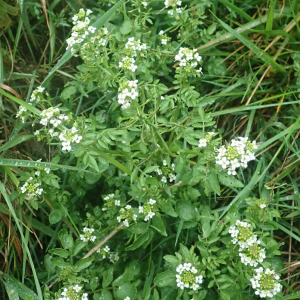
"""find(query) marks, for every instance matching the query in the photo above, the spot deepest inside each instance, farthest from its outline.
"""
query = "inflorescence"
(74, 293)
(148, 209)
(175, 6)
(188, 277)
(236, 154)
(188, 59)
(127, 92)
(80, 30)
(265, 282)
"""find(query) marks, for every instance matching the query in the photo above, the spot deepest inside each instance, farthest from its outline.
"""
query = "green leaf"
(224, 295)
(139, 242)
(155, 294)
(139, 228)
(5, 11)
(68, 92)
(125, 290)
(66, 239)
(166, 278)
(11, 290)
(108, 276)
(50, 267)
(193, 193)
(83, 263)
(126, 27)
(185, 210)
(167, 208)
(55, 216)
(213, 182)
(151, 169)
(60, 252)
(103, 164)
(230, 181)
(23, 291)
(107, 295)
(158, 224)
(171, 259)
(60, 262)
(78, 246)
(212, 28)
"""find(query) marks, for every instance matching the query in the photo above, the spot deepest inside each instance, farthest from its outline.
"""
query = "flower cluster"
(53, 117)
(94, 45)
(32, 188)
(176, 6)
(110, 202)
(126, 214)
(250, 251)
(74, 293)
(37, 94)
(69, 136)
(188, 59)
(203, 142)
(188, 277)
(147, 209)
(265, 283)
(166, 172)
(87, 235)
(80, 30)
(261, 203)
(163, 37)
(22, 113)
(127, 92)
(132, 48)
(236, 154)
(105, 252)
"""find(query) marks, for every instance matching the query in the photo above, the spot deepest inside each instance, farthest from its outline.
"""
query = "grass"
(258, 96)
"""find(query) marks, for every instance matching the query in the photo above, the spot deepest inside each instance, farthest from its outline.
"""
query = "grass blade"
(15, 141)
(35, 164)
(25, 247)
(21, 102)
(260, 53)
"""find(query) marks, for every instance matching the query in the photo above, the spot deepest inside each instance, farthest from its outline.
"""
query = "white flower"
(202, 143)
(77, 288)
(44, 121)
(55, 122)
(77, 138)
(66, 146)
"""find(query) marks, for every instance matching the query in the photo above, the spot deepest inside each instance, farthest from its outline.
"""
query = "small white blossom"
(202, 143)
